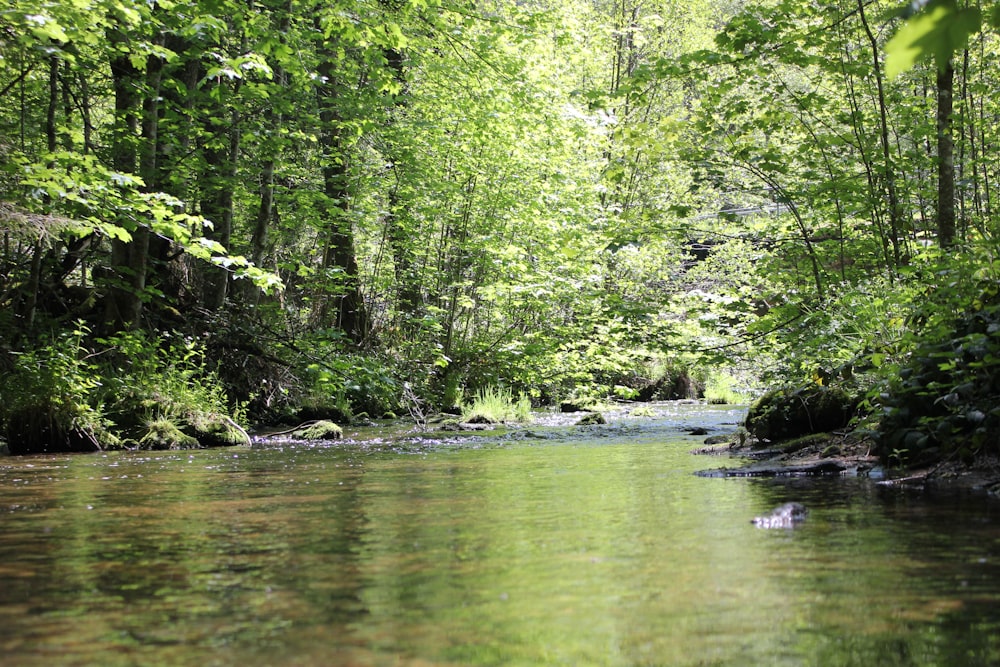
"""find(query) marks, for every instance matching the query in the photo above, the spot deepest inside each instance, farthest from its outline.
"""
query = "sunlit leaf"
(939, 30)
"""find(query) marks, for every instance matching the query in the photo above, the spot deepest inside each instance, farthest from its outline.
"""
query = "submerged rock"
(592, 419)
(784, 516)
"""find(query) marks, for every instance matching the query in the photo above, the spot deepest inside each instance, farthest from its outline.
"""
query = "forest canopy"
(271, 211)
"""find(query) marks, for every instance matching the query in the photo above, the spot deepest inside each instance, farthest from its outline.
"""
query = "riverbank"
(850, 455)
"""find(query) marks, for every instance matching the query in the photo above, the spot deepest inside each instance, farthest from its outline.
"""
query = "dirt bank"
(848, 455)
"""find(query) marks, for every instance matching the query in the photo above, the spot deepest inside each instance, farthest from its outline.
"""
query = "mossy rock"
(592, 419)
(831, 451)
(164, 434)
(450, 425)
(674, 385)
(215, 430)
(320, 430)
(813, 440)
(792, 412)
(479, 418)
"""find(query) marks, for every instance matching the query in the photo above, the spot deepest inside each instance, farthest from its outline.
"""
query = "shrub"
(720, 390)
(151, 378)
(944, 401)
(49, 399)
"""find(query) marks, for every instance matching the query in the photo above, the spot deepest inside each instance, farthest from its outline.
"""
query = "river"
(547, 545)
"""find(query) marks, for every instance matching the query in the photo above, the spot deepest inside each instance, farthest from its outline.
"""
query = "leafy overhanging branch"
(111, 204)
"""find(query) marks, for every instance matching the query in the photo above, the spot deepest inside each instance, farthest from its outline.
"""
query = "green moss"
(164, 434)
(832, 450)
(791, 412)
(320, 430)
(805, 442)
(592, 419)
(216, 430)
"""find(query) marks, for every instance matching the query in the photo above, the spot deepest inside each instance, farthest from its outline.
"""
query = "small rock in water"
(783, 516)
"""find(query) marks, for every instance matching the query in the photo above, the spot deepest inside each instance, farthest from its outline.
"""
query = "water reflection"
(566, 547)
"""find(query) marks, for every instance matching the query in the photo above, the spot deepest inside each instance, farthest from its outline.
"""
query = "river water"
(549, 545)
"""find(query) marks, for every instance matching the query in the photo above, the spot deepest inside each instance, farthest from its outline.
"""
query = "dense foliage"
(278, 211)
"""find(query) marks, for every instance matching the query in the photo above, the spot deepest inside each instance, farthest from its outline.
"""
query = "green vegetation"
(497, 405)
(47, 399)
(220, 214)
(721, 389)
(164, 434)
(320, 430)
(783, 414)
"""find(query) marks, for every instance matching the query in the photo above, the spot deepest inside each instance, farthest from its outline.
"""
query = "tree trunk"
(123, 302)
(217, 205)
(408, 288)
(50, 116)
(946, 156)
(895, 209)
(341, 304)
(266, 211)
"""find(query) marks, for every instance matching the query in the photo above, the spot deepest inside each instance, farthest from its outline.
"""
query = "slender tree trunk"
(946, 156)
(348, 309)
(407, 284)
(85, 114)
(266, 211)
(217, 206)
(857, 127)
(895, 210)
(50, 115)
(122, 306)
(34, 285)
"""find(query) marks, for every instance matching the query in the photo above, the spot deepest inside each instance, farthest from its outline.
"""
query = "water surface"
(547, 546)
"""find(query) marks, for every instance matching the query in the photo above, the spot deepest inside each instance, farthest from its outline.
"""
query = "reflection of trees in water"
(892, 578)
(600, 549)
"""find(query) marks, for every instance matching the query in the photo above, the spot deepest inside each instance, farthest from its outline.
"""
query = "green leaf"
(46, 28)
(940, 30)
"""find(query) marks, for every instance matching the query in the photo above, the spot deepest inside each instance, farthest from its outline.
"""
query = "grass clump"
(497, 405)
(164, 434)
(720, 389)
